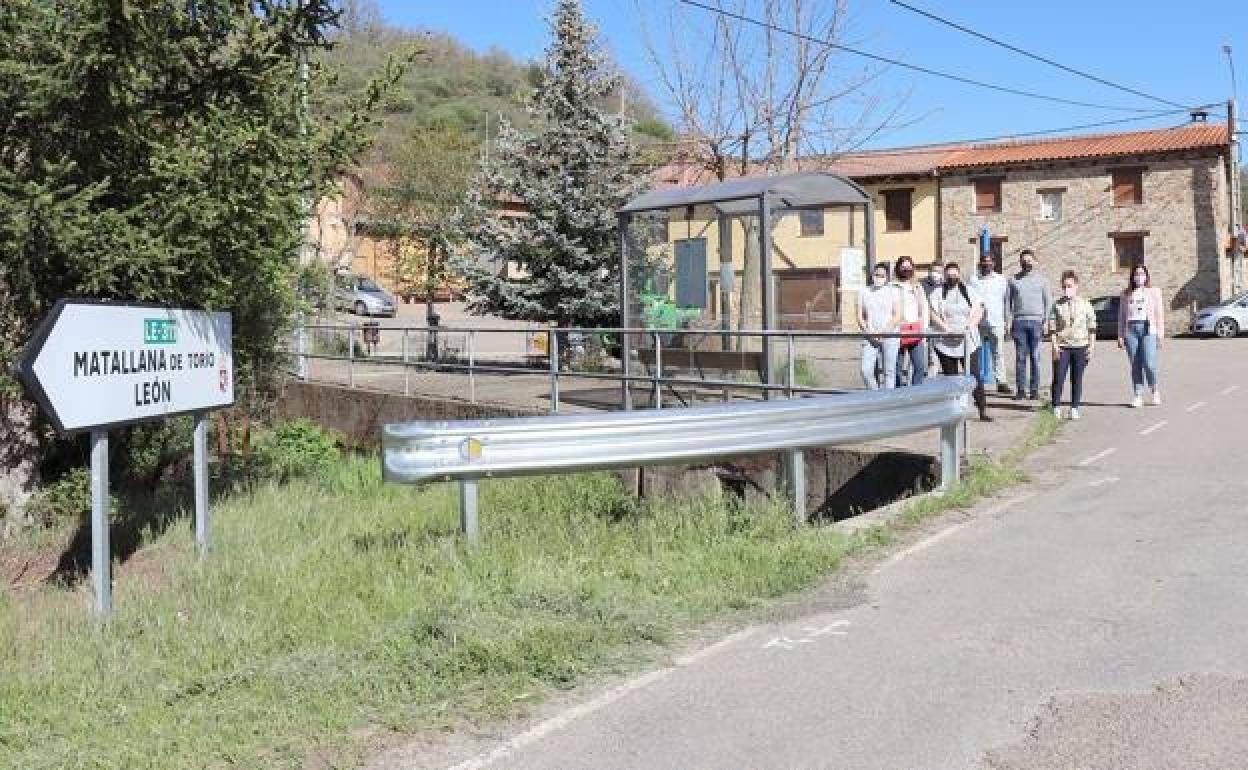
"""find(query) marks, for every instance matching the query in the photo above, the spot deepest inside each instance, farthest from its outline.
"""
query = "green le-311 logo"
(159, 331)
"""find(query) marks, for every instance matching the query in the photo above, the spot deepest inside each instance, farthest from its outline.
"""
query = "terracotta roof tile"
(1190, 137)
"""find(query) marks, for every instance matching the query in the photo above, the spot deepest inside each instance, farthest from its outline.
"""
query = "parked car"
(1226, 320)
(361, 295)
(1106, 309)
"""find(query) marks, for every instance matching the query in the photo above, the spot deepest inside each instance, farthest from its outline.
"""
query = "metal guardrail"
(470, 450)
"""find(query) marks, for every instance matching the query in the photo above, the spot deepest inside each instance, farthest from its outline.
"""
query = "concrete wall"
(359, 414)
(1182, 214)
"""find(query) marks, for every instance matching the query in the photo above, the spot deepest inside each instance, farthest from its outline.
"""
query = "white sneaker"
(1156, 397)
(1074, 413)
(1137, 402)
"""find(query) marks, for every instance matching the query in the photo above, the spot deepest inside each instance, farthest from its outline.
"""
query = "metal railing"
(467, 451)
(465, 357)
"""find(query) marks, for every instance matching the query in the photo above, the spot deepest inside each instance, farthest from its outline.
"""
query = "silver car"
(1226, 320)
(361, 295)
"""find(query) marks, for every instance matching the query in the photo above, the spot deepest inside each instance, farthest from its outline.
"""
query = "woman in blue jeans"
(916, 316)
(1141, 328)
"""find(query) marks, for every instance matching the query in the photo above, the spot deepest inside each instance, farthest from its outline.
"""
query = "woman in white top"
(915, 317)
(879, 310)
(1141, 329)
(957, 309)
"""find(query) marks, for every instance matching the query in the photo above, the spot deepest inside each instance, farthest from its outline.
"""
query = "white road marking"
(1229, 390)
(1098, 456)
(1104, 481)
(785, 643)
(1197, 405)
(1154, 428)
(828, 629)
(559, 721)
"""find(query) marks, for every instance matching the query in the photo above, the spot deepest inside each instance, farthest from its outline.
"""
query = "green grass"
(331, 611)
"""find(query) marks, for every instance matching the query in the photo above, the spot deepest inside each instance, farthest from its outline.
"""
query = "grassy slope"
(329, 610)
(326, 610)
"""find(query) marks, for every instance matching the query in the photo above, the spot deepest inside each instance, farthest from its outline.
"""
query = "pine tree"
(570, 175)
(156, 152)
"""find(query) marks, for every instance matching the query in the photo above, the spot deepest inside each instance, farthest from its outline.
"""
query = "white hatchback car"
(1226, 320)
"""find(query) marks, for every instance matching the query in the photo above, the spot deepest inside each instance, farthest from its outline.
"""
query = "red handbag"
(911, 326)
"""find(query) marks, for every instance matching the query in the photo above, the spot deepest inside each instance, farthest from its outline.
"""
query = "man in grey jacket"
(1030, 301)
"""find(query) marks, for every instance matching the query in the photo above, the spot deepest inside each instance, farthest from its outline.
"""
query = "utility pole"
(1232, 126)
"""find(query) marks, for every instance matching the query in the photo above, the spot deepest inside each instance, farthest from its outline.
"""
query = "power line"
(1030, 55)
(902, 64)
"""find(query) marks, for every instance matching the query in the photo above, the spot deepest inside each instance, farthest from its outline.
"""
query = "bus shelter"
(764, 253)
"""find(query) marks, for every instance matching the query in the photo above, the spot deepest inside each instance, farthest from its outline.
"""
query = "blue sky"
(1172, 50)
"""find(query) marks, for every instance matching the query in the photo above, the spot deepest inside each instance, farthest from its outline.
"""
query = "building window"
(1128, 186)
(811, 221)
(1128, 250)
(897, 208)
(987, 196)
(1050, 205)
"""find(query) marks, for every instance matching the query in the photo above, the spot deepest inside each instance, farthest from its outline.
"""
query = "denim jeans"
(1074, 361)
(1142, 353)
(918, 363)
(1027, 336)
(993, 350)
(883, 352)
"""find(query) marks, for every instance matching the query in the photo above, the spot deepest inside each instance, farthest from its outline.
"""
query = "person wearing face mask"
(1141, 329)
(994, 289)
(958, 310)
(915, 317)
(1072, 329)
(934, 278)
(879, 310)
(1029, 305)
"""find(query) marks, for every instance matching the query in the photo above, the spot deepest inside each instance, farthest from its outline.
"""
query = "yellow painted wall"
(922, 241)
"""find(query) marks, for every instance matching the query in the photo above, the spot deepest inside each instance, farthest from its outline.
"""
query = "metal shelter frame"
(738, 197)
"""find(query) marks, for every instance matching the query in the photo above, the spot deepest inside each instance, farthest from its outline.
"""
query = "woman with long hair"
(1141, 329)
(915, 318)
(958, 311)
(878, 311)
(1072, 329)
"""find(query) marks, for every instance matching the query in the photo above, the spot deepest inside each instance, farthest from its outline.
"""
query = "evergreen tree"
(157, 152)
(570, 175)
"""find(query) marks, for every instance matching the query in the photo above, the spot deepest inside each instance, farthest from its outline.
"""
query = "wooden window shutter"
(897, 208)
(988, 195)
(1128, 187)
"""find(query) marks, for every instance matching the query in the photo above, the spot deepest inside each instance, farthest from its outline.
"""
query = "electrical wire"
(1030, 55)
(902, 64)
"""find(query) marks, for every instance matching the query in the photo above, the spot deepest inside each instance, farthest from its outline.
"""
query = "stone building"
(1096, 205)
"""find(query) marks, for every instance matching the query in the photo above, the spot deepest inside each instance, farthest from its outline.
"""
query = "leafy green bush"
(69, 497)
(295, 449)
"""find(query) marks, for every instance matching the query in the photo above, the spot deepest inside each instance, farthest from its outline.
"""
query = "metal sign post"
(101, 552)
(92, 366)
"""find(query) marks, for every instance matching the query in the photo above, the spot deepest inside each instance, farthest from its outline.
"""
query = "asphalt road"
(1093, 618)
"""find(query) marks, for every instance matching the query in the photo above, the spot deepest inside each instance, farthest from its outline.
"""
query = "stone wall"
(1182, 214)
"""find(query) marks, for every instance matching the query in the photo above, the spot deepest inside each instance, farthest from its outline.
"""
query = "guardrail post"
(472, 362)
(351, 356)
(950, 454)
(468, 523)
(407, 379)
(657, 399)
(795, 483)
(553, 348)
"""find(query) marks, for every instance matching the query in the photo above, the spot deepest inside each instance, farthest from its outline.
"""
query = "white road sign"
(96, 365)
